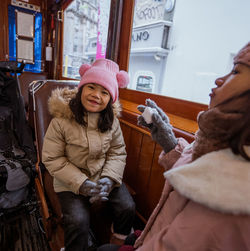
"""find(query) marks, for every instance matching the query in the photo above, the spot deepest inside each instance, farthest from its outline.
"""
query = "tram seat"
(50, 206)
(24, 81)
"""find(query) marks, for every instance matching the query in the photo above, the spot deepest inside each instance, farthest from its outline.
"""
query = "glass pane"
(85, 34)
(180, 47)
(25, 49)
(25, 24)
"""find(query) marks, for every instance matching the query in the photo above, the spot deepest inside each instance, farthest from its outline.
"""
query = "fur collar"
(219, 180)
(59, 103)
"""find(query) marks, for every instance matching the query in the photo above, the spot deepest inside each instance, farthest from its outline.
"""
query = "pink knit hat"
(243, 56)
(105, 73)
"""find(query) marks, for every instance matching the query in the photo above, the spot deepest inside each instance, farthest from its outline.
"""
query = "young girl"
(84, 151)
(205, 203)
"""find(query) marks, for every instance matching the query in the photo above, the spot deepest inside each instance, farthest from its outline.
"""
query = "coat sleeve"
(54, 159)
(116, 157)
(168, 160)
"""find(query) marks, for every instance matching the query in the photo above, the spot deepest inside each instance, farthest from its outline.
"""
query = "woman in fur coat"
(205, 203)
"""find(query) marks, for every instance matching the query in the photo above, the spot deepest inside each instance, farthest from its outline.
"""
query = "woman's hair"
(242, 137)
(106, 116)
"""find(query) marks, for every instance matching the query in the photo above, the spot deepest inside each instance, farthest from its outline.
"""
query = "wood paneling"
(156, 181)
(4, 45)
(142, 173)
(133, 158)
(115, 17)
(178, 107)
(125, 34)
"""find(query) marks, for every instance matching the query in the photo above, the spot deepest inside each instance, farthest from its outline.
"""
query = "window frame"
(178, 107)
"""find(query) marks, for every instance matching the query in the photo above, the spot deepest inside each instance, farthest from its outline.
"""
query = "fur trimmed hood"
(219, 180)
(59, 103)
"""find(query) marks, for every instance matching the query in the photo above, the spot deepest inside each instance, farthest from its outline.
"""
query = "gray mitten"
(99, 197)
(106, 185)
(89, 188)
(159, 126)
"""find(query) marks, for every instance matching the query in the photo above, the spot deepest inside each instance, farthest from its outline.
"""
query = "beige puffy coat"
(73, 153)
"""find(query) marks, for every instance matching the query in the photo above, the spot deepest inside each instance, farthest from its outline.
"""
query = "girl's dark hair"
(106, 116)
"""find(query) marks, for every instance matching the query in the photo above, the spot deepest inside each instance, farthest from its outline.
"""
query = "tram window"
(186, 44)
(85, 29)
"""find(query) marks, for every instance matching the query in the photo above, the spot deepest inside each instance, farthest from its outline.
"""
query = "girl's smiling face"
(94, 98)
(233, 84)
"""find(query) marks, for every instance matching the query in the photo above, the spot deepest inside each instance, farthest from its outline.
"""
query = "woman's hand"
(160, 128)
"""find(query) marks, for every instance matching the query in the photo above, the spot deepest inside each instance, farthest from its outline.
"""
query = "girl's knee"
(128, 207)
(79, 221)
(131, 206)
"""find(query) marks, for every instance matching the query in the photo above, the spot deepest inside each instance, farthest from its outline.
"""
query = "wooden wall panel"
(126, 134)
(143, 171)
(4, 48)
(133, 158)
(156, 181)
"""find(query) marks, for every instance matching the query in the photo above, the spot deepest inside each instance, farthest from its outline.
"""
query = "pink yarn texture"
(106, 73)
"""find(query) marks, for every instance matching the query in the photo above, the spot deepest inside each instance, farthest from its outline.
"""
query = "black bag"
(5, 124)
(17, 149)
(12, 107)
(8, 142)
(15, 177)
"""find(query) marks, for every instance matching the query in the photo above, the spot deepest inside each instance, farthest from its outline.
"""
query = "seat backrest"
(25, 79)
(40, 92)
(33, 86)
(42, 117)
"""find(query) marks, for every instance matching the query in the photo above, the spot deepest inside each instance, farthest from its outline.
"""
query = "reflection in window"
(144, 83)
(186, 44)
(85, 34)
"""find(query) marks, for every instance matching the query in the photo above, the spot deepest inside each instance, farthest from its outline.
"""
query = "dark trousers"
(76, 216)
(108, 247)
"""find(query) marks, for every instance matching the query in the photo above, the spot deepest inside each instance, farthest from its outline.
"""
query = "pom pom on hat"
(84, 68)
(122, 79)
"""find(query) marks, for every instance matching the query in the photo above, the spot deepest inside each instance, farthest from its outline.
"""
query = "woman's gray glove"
(105, 185)
(88, 188)
(159, 126)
